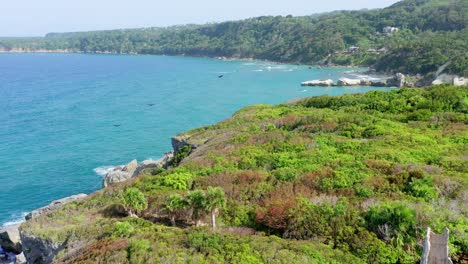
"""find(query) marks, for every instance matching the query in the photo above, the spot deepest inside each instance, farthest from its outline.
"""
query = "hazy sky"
(38, 17)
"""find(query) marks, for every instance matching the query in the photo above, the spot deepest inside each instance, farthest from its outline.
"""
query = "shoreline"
(220, 58)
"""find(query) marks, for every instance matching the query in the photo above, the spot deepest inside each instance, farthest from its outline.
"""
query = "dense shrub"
(395, 222)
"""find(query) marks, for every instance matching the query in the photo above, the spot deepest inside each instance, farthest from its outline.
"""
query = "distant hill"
(430, 33)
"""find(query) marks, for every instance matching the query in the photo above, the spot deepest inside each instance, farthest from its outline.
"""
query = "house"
(382, 50)
(353, 50)
(390, 30)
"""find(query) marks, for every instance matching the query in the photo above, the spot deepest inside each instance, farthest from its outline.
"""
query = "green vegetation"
(134, 201)
(432, 32)
(348, 179)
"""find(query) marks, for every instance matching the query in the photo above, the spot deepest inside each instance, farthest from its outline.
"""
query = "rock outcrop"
(435, 249)
(450, 79)
(399, 80)
(120, 174)
(39, 250)
(10, 239)
(133, 168)
(160, 163)
(328, 82)
(55, 205)
(116, 176)
(349, 82)
(180, 141)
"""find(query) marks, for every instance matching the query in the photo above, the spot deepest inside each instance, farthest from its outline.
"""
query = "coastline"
(221, 58)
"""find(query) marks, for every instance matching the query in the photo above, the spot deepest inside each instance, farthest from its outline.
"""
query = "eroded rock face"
(37, 250)
(10, 239)
(55, 205)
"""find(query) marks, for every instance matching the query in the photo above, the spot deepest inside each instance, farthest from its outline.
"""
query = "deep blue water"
(58, 111)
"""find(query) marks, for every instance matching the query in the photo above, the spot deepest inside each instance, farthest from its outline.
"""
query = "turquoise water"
(58, 111)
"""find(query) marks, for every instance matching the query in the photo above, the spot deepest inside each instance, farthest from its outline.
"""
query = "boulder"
(131, 167)
(55, 205)
(328, 82)
(349, 82)
(116, 176)
(10, 239)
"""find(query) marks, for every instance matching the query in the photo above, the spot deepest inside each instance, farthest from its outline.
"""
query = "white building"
(390, 30)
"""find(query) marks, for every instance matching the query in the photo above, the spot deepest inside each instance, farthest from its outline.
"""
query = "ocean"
(65, 119)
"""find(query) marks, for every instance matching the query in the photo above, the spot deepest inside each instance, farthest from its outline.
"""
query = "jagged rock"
(116, 176)
(39, 250)
(349, 82)
(131, 167)
(328, 82)
(160, 163)
(55, 205)
(10, 239)
(436, 249)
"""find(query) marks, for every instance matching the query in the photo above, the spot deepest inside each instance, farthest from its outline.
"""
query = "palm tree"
(197, 200)
(216, 199)
(173, 205)
(134, 201)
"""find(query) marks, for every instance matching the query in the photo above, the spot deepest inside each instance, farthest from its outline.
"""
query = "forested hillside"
(348, 179)
(431, 33)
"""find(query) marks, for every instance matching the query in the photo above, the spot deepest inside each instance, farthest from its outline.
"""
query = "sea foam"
(103, 170)
(15, 219)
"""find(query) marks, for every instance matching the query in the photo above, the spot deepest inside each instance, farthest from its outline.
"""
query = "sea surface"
(65, 119)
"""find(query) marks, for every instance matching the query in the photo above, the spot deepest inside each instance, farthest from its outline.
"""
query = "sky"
(38, 17)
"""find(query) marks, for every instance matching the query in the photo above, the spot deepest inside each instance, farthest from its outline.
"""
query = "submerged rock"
(55, 205)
